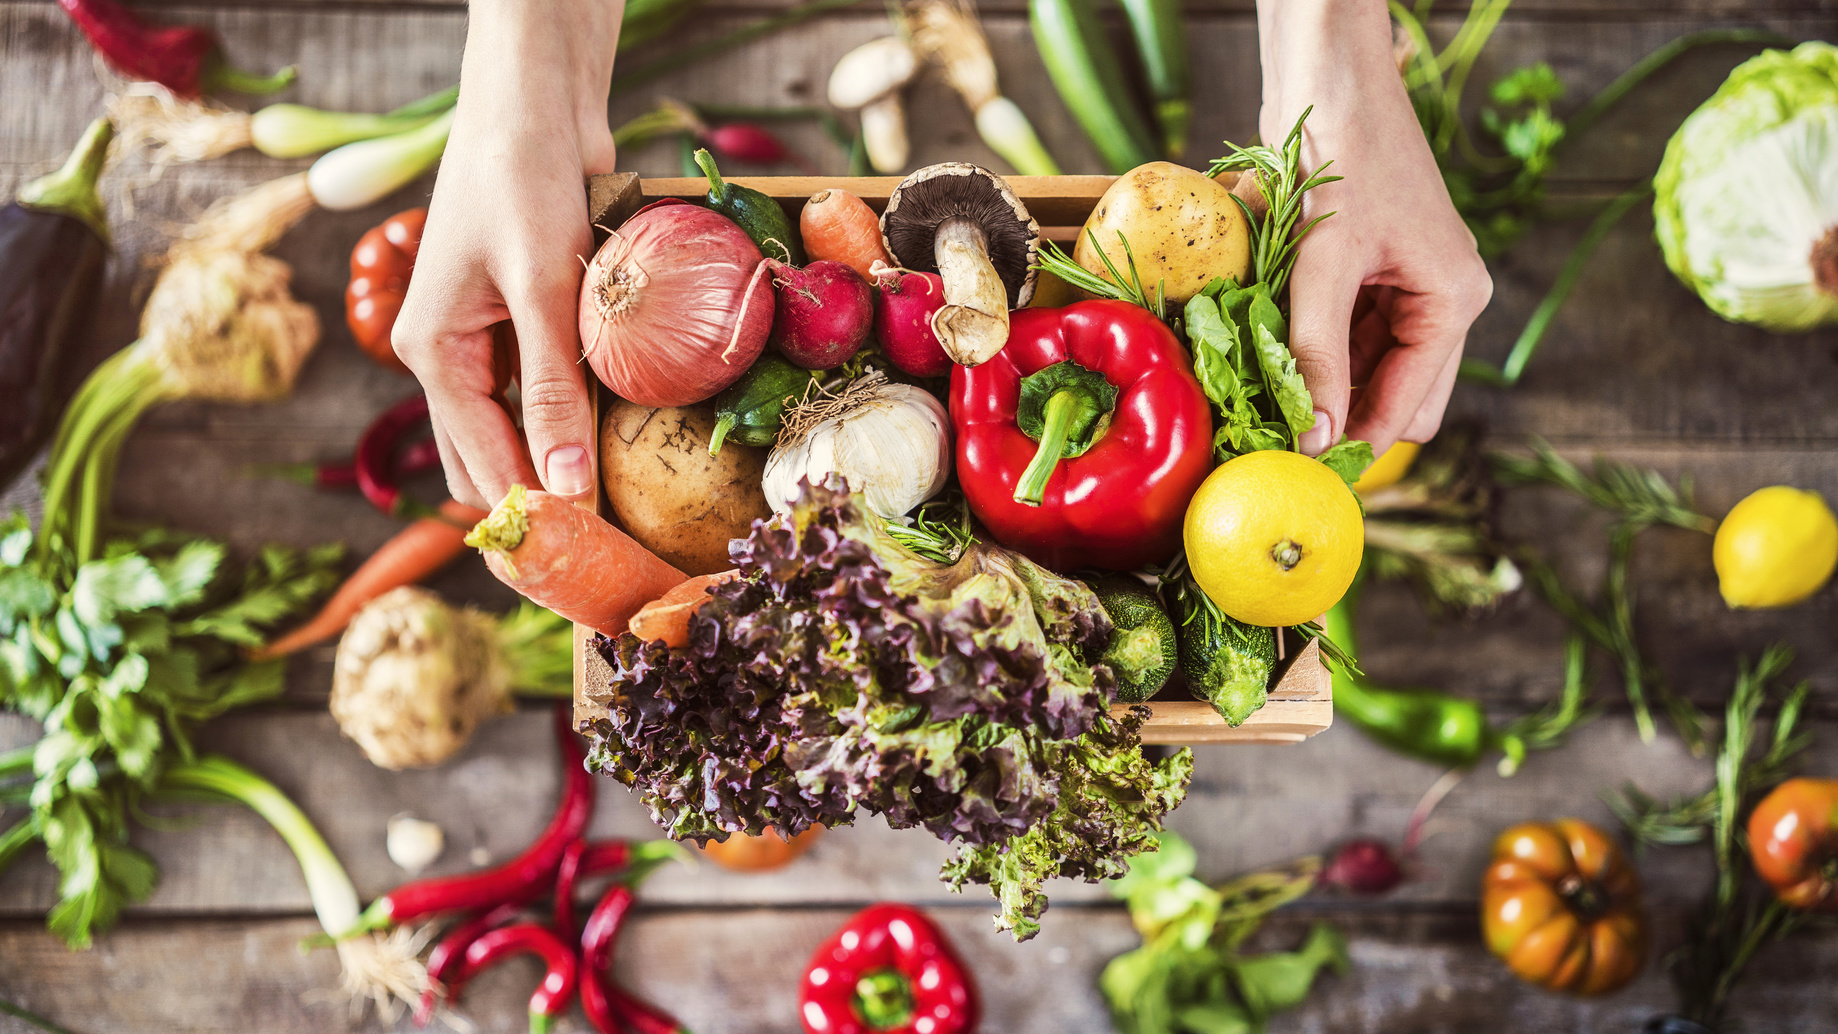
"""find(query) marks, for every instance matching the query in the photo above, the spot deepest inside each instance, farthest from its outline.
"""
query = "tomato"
(769, 850)
(1793, 837)
(1562, 906)
(380, 268)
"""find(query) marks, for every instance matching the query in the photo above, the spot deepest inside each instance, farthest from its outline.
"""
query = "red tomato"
(1561, 906)
(1793, 837)
(380, 268)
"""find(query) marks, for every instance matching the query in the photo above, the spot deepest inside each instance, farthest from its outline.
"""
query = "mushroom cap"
(952, 189)
(871, 71)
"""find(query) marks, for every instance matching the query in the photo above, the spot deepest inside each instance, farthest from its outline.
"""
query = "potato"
(669, 493)
(1183, 228)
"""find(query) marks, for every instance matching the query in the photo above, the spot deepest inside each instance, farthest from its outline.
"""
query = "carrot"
(562, 557)
(839, 226)
(417, 551)
(667, 617)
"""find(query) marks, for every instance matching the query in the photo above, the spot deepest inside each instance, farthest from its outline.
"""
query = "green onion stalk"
(383, 969)
(947, 33)
(174, 130)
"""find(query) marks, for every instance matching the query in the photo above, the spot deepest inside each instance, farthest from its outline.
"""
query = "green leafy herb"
(1274, 235)
(1116, 287)
(1349, 458)
(119, 656)
(1189, 976)
(1550, 725)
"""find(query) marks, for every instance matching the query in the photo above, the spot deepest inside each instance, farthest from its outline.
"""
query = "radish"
(823, 315)
(903, 322)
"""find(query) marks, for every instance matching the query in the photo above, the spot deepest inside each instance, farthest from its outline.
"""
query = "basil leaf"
(1349, 459)
(1294, 405)
(1280, 979)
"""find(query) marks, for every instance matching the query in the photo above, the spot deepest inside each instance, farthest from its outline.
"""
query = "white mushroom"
(869, 78)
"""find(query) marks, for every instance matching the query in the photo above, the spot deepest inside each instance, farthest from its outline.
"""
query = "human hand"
(506, 237)
(1383, 291)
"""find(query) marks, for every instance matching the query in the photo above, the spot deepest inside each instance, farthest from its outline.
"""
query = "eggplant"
(53, 239)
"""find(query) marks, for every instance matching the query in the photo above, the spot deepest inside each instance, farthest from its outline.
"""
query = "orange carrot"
(562, 557)
(667, 617)
(417, 551)
(839, 226)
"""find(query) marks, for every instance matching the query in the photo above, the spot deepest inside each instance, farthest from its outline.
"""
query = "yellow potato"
(1183, 228)
(669, 493)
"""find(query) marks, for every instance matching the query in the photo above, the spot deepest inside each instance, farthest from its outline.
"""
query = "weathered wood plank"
(736, 972)
(1248, 807)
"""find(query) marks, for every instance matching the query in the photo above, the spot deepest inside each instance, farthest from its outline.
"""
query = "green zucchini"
(1161, 42)
(758, 215)
(1227, 663)
(1143, 648)
(750, 410)
(1085, 70)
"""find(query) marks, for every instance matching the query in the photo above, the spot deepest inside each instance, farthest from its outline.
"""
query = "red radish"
(562, 557)
(1363, 867)
(903, 322)
(675, 306)
(748, 143)
(824, 313)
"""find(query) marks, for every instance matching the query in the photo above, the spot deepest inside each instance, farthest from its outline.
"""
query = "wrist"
(1324, 53)
(542, 69)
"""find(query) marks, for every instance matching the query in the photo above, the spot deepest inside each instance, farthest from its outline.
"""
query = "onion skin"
(675, 306)
(823, 313)
(903, 323)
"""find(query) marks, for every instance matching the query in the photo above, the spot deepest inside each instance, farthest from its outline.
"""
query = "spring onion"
(946, 32)
(173, 130)
(366, 172)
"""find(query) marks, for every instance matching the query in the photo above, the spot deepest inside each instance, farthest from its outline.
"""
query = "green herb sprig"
(1274, 236)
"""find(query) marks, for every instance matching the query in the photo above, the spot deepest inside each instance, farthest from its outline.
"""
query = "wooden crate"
(1301, 703)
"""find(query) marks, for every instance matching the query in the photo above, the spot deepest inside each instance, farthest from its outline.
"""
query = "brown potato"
(669, 493)
(1184, 229)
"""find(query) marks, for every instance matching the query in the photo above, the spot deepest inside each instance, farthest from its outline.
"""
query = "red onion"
(1363, 867)
(675, 306)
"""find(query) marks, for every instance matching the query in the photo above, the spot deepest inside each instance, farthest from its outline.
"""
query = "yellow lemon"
(1389, 468)
(1274, 538)
(1775, 548)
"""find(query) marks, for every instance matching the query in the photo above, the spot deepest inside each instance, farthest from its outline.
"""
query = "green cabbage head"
(1746, 199)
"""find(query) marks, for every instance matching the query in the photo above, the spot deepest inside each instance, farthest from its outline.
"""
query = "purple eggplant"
(53, 239)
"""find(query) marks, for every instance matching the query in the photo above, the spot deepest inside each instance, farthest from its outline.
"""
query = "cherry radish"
(903, 321)
(562, 557)
(823, 313)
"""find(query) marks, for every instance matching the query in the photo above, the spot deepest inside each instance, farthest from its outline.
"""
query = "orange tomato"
(380, 267)
(1793, 837)
(769, 850)
(1561, 906)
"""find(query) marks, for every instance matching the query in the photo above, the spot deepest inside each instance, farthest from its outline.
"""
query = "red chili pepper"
(558, 982)
(608, 1006)
(1082, 441)
(888, 970)
(375, 460)
(186, 59)
(449, 956)
(521, 880)
(381, 264)
(583, 859)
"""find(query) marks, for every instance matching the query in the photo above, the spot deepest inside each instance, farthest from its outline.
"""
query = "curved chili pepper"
(558, 982)
(375, 459)
(582, 859)
(1081, 442)
(186, 59)
(449, 956)
(521, 880)
(887, 970)
(381, 264)
(608, 1006)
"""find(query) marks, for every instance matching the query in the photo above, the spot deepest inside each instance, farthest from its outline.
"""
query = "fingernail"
(567, 472)
(1314, 441)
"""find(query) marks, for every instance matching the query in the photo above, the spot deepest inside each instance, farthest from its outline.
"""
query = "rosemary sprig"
(1633, 494)
(1055, 261)
(1274, 236)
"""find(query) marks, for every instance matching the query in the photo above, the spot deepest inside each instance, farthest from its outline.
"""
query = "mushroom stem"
(884, 134)
(972, 325)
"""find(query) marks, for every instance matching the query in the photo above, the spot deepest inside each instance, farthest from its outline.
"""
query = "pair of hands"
(1382, 295)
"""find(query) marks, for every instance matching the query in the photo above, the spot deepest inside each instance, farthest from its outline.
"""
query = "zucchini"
(1227, 663)
(1085, 70)
(1143, 648)
(750, 410)
(757, 215)
(1161, 42)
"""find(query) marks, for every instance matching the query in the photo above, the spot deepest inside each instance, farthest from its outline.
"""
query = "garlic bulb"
(890, 442)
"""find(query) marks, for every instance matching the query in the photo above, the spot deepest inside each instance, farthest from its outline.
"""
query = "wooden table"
(1635, 368)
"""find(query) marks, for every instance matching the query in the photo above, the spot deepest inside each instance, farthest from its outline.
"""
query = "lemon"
(1775, 548)
(1274, 538)
(1389, 468)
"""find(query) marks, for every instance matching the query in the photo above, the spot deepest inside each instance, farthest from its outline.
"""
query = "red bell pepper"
(887, 971)
(1081, 442)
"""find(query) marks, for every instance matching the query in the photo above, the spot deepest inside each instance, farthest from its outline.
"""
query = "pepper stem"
(717, 187)
(71, 190)
(221, 77)
(1066, 409)
(884, 1000)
